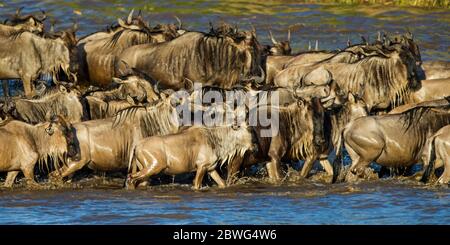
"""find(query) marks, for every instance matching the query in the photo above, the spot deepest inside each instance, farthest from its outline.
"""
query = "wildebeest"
(28, 23)
(300, 136)
(105, 144)
(132, 85)
(336, 118)
(99, 109)
(276, 64)
(18, 24)
(98, 55)
(59, 101)
(393, 140)
(197, 148)
(437, 154)
(382, 80)
(217, 58)
(431, 90)
(23, 145)
(436, 69)
(25, 56)
(280, 47)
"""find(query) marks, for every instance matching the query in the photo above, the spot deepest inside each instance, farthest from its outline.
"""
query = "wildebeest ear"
(351, 98)
(117, 80)
(62, 88)
(130, 100)
(49, 116)
(318, 76)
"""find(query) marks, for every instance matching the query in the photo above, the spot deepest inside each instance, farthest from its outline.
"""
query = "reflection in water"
(305, 202)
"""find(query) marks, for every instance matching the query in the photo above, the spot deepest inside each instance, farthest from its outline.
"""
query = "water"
(103, 201)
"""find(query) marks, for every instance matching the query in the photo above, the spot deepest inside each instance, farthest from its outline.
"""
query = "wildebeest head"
(280, 47)
(407, 41)
(408, 61)
(246, 42)
(66, 52)
(137, 88)
(28, 22)
(58, 127)
(315, 115)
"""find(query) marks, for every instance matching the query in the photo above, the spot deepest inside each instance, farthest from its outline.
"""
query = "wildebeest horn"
(348, 42)
(156, 89)
(44, 16)
(18, 11)
(258, 79)
(140, 13)
(274, 41)
(379, 36)
(253, 29)
(180, 24)
(75, 27)
(191, 86)
(364, 39)
(289, 35)
(130, 16)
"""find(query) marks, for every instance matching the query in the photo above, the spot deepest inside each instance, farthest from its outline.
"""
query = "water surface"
(386, 201)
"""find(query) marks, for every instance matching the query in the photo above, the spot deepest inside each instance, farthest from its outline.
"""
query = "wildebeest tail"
(431, 161)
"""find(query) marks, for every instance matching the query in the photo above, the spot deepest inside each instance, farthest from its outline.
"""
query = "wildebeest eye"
(50, 131)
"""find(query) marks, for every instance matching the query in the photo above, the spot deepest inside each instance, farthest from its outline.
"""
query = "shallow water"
(386, 201)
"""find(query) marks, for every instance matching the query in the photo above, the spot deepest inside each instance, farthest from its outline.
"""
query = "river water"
(101, 200)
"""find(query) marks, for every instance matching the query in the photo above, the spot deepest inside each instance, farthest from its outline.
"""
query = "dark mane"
(423, 120)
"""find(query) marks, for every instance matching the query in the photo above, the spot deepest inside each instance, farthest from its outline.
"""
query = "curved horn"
(212, 27)
(258, 79)
(289, 35)
(44, 16)
(156, 89)
(272, 38)
(363, 38)
(180, 24)
(75, 27)
(18, 11)
(296, 96)
(191, 87)
(130, 16)
(253, 29)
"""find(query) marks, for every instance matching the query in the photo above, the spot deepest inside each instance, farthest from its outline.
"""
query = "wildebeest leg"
(201, 170)
(443, 154)
(28, 86)
(5, 86)
(276, 151)
(72, 167)
(28, 171)
(154, 168)
(10, 178)
(327, 166)
(216, 177)
(233, 169)
(309, 162)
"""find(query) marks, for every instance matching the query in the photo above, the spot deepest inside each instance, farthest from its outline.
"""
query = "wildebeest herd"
(114, 105)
